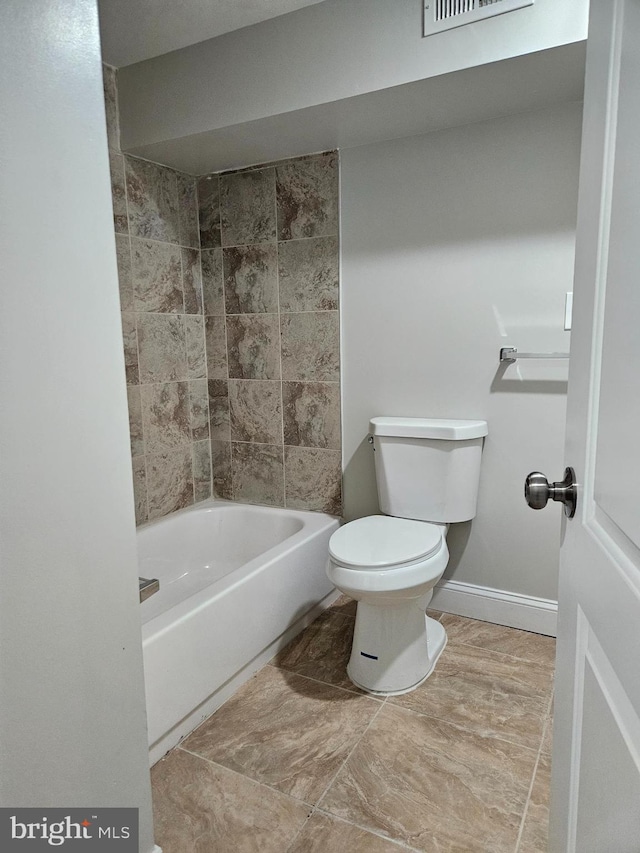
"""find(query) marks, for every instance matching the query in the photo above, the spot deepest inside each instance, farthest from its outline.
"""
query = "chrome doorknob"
(538, 490)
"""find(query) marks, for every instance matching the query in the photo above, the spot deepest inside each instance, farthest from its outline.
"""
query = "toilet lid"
(379, 541)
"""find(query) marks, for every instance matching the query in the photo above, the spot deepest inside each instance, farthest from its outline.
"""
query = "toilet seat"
(381, 542)
(390, 566)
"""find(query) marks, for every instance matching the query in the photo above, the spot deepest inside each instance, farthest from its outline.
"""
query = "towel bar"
(147, 587)
(511, 354)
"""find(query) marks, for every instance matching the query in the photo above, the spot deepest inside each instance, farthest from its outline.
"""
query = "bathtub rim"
(313, 524)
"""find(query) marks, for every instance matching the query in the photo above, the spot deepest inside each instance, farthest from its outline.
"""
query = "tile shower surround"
(269, 239)
(158, 253)
(229, 299)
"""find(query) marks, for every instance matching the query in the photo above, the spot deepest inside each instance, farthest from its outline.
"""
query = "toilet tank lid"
(443, 428)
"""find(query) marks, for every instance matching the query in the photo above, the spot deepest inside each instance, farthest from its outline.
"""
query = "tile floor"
(301, 761)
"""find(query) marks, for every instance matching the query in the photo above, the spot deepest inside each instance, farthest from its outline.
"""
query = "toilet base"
(395, 648)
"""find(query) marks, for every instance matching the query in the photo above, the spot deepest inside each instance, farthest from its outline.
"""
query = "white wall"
(72, 715)
(455, 244)
(219, 91)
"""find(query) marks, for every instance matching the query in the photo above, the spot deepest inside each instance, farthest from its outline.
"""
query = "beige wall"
(72, 714)
(455, 244)
(334, 74)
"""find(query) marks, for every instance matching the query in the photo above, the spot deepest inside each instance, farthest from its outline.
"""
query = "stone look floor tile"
(547, 740)
(490, 693)
(498, 638)
(324, 834)
(201, 808)
(423, 781)
(433, 786)
(345, 605)
(535, 832)
(289, 732)
(321, 651)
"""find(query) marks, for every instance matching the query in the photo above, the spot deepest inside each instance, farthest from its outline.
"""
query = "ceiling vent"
(442, 15)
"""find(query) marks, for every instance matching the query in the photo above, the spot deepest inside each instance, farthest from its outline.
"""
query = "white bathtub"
(237, 582)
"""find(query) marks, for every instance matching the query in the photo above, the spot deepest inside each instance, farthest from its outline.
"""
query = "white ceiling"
(133, 30)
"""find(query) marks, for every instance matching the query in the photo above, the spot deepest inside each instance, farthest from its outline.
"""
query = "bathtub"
(237, 583)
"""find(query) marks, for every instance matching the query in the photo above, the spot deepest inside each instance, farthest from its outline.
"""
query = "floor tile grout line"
(548, 722)
(533, 778)
(313, 808)
(389, 700)
(351, 751)
(526, 805)
(454, 642)
(400, 844)
(326, 683)
(292, 843)
(422, 713)
(463, 728)
(248, 778)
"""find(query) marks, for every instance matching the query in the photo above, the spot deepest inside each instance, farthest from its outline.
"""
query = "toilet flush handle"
(538, 490)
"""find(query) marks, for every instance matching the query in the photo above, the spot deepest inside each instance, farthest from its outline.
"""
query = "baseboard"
(497, 605)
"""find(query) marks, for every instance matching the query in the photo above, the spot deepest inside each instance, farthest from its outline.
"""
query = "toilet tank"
(428, 468)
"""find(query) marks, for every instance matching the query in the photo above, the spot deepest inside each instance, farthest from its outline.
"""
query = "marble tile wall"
(159, 269)
(270, 275)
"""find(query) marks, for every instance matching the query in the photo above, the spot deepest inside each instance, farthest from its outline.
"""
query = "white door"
(595, 805)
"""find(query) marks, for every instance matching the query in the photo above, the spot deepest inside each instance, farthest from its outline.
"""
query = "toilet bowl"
(427, 474)
(390, 566)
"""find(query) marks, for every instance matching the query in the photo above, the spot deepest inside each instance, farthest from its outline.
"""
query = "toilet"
(427, 474)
